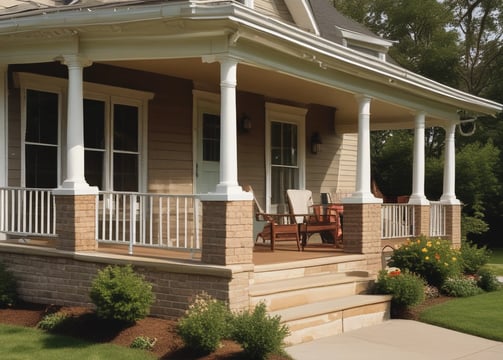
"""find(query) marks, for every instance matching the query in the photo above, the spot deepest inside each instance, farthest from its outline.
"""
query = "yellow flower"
(427, 258)
(428, 244)
(454, 258)
(446, 264)
(437, 243)
(424, 250)
(418, 241)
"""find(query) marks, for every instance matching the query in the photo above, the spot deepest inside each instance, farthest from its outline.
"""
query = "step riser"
(293, 298)
(335, 323)
(295, 272)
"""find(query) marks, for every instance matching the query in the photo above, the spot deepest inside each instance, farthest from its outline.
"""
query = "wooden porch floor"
(262, 255)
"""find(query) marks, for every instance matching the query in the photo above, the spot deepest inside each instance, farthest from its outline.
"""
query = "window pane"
(125, 128)
(125, 172)
(211, 137)
(41, 117)
(283, 144)
(282, 179)
(41, 166)
(94, 124)
(94, 168)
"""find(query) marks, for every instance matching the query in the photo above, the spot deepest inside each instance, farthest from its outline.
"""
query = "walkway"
(398, 340)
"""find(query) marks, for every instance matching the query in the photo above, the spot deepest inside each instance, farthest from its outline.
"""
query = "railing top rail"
(25, 188)
(149, 194)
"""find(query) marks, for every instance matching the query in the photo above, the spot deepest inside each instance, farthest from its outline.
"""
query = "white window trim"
(285, 114)
(107, 93)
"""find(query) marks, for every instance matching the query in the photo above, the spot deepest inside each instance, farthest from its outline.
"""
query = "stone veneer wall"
(50, 276)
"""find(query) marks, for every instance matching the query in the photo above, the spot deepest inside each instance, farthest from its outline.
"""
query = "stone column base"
(75, 222)
(362, 228)
(422, 220)
(453, 225)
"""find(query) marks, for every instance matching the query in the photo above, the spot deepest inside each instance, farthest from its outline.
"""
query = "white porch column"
(449, 195)
(228, 184)
(3, 126)
(363, 193)
(417, 197)
(75, 182)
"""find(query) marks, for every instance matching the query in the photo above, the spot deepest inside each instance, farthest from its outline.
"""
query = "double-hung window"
(114, 131)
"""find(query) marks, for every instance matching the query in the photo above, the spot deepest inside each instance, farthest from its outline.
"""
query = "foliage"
(51, 322)
(406, 288)
(8, 287)
(143, 343)
(461, 287)
(258, 333)
(487, 280)
(205, 324)
(433, 259)
(473, 257)
(121, 294)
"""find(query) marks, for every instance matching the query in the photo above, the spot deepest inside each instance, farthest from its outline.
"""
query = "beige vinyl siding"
(347, 163)
(275, 9)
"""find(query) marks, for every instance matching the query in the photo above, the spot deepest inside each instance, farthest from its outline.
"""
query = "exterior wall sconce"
(315, 143)
(245, 123)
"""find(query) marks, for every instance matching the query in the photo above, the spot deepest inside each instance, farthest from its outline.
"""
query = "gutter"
(326, 52)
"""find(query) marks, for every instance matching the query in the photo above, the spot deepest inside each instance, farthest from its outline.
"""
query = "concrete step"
(335, 316)
(286, 293)
(295, 269)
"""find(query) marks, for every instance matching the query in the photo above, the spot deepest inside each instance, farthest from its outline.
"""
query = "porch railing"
(156, 220)
(27, 212)
(397, 221)
(437, 219)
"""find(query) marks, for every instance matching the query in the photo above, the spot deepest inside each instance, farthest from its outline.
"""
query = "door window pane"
(211, 137)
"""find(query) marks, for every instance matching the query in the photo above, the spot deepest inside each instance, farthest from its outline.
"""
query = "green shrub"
(8, 287)
(487, 280)
(143, 343)
(433, 259)
(121, 294)
(406, 288)
(205, 324)
(461, 287)
(51, 322)
(258, 333)
(473, 257)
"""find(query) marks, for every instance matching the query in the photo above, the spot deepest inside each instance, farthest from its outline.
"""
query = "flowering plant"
(432, 259)
(406, 288)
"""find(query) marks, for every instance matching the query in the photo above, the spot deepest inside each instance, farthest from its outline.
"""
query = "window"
(285, 143)
(114, 131)
(41, 139)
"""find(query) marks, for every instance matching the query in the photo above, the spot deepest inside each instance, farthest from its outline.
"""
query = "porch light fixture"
(315, 143)
(245, 123)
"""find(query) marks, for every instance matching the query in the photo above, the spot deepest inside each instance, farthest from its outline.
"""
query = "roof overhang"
(186, 29)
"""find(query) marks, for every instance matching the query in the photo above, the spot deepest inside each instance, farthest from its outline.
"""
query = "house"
(139, 122)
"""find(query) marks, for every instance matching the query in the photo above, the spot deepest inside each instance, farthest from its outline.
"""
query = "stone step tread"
(306, 282)
(328, 306)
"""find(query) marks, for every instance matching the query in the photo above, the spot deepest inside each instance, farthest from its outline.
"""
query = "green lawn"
(22, 343)
(496, 261)
(480, 315)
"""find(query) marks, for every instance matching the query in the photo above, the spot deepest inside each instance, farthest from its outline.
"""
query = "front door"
(208, 162)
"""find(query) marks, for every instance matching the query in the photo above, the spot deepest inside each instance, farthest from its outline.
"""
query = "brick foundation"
(422, 220)
(453, 225)
(50, 276)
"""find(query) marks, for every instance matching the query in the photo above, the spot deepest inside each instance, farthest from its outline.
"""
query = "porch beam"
(363, 193)
(417, 197)
(75, 182)
(449, 195)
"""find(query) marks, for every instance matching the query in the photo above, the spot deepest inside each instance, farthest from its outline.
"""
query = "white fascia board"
(352, 35)
(284, 36)
(302, 15)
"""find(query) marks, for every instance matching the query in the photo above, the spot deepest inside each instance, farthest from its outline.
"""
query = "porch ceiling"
(276, 85)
